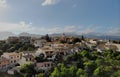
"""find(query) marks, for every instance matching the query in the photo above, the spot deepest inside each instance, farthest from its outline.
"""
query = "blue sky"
(57, 16)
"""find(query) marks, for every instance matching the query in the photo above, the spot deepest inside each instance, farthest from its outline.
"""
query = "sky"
(58, 16)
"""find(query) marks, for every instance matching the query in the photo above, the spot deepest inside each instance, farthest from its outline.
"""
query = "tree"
(85, 53)
(40, 58)
(116, 74)
(81, 73)
(82, 38)
(47, 38)
(72, 71)
(99, 72)
(99, 61)
(90, 66)
(55, 73)
(102, 71)
(68, 59)
(11, 49)
(75, 40)
(41, 75)
(30, 49)
(64, 71)
(28, 70)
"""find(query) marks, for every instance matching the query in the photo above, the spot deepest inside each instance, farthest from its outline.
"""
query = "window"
(11, 61)
(11, 57)
(14, 61)
(30, 59)
(45, 65)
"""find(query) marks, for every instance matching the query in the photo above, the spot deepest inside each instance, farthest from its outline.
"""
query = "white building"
(47, 51)
(27, 59)
(40, 43)
(4, 64)
(13, 57)
(14, 70)
(44, 66)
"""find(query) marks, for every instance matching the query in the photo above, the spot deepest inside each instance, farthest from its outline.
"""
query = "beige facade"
(44, 65)
(13, 57)
(4, 63)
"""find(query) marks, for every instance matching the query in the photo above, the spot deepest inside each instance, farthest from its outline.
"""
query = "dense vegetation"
(82, 64)
(18, 46)
(89, 64)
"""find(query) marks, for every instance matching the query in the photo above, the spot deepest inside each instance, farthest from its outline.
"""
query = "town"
(43, 55)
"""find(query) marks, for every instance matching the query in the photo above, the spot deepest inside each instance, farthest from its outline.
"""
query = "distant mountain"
(89, 35)
(102, 36)
(109, 37)
(5, 35)
(67, 34)
(28, 34)
(24, 34)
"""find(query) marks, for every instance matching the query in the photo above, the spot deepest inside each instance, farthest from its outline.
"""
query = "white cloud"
(28, 27)
(114, 32)
(3, 8)
(70, 29)
(3, 4)
(65, 29)
(54, 30)
(86, 31)
(50, 2)
(16, 27)
(89, 29)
